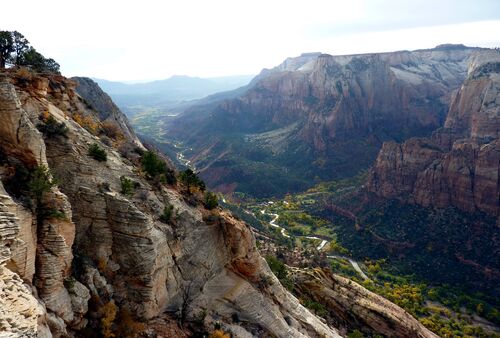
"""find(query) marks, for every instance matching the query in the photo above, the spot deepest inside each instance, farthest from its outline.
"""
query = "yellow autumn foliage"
(219, 334)
(108, 317)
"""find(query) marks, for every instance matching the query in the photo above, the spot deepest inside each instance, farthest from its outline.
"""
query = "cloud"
(132, 40)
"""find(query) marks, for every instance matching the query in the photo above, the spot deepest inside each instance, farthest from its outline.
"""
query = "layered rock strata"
(348, 303)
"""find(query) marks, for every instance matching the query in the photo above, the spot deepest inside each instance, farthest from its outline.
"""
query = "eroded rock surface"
(20, 311)
(350, 303)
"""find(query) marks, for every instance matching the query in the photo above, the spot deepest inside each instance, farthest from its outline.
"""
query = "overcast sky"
(146, 39)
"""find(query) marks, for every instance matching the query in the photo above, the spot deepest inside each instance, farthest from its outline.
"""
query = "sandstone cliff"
(349, 303)
(104, 106)
(460, 164)
(86, 250)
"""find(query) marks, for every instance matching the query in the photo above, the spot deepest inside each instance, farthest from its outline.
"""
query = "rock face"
(104, 106)
(323, 116)
(49, 246)
(19, 310)
(350, 303)
(460, 164)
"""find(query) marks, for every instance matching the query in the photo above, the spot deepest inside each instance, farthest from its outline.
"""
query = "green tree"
(277, 267)
(6, 47)
(52, 66)
(40, 183)
(167, 213)
(151, 164)
(211, 200)
(15, 49)
(21, 46)
(190, 179)
(127, 186)
(156, 168)
(31, 58)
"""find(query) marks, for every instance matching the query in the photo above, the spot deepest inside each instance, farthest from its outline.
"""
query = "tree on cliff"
(20, 46)
(190, 179)
(6, 47)
(15, 50)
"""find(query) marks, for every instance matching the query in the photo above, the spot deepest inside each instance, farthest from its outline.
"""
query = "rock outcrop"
(104, 106)
(19, 309)
(48, 244)
(349, 303)
(460, 164)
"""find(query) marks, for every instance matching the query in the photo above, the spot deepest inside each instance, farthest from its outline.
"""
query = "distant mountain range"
(133, 98)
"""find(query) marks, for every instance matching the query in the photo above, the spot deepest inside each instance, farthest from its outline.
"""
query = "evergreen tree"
(15, 50)
(190, 179)
(6, 47)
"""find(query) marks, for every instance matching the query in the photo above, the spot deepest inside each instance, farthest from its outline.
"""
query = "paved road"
(283, 230)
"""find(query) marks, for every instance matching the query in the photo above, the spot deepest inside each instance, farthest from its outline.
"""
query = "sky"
(155, 39)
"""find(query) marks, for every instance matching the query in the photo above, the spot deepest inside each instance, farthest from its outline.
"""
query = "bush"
(24, 75)
(50, 127)
(190, 179)
(167, 213)
(127, 186)
(97, 153)
(211, 200)
(41, 182)
(318, 308)
(169, 177)
(108, 312)
(355, 334)
(103, 187)
(86, 122)
(156, 168)
(69, 283)
(127, 325)
(219, 334)
(53, 214)
(264, 282)
(112, 130)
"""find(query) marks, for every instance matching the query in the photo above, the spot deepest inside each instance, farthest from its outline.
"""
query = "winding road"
(354, 264)
(283, 230)
(273, 223)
